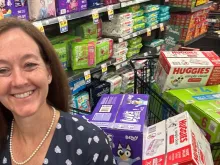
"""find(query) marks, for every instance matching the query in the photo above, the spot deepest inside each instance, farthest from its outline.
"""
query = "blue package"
(81, 101)
(151, 14)
(163, 14)
(93, 3)
(164, 9)
(77, 85)
(162, 19)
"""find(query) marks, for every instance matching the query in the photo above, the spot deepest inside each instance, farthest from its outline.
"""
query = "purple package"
(122, 117)
(66, 6)
(82, 5)
(15, 8)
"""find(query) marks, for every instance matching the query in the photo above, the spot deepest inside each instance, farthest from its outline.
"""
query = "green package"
(138, 13)
(83, 54)
(60, 49)
(151, 14)
(115, 82)
(104, 49)
(87, 30)
(134, 41)
(138, 27)
(154, 43)
(151, 19)
(131, 9)
(138, 20)
(206, 114)
(149, 24)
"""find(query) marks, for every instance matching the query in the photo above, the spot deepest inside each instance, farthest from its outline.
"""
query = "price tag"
(39, 26)
(148, 32)
(118, 66)
(110, 12)
(95, 16)
(87, 76)
(158, 48)
(161, 27)
(154, 27)
(63, 24)
(104, 68)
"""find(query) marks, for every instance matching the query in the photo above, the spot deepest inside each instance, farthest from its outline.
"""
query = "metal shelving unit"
(193, 40)
(134, 2)
(140, 32)
(192, 10)
(81, 14)
(73, 75)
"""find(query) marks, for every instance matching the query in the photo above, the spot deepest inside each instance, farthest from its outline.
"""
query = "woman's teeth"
(23, 95)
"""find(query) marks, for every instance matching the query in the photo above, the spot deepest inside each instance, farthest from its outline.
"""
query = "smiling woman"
(34, 104)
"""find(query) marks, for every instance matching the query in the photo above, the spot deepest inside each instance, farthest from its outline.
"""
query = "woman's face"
(24, 77)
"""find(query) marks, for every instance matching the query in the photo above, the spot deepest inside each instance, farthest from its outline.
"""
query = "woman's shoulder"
(72, 123)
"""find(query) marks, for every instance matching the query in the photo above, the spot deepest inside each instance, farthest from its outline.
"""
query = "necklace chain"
(38, 147)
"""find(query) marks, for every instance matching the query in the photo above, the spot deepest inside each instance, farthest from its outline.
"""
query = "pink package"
(41, 9)
(66, 6)
(109, 2)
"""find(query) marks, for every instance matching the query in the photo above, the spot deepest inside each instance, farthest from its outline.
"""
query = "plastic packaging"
(138, 20)
(138, 14)
(150, 8)
(138, 27)
(134, 41)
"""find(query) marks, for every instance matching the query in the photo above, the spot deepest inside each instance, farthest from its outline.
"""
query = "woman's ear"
(49, 74)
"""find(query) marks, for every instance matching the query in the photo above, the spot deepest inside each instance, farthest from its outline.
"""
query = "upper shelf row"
(103, 9)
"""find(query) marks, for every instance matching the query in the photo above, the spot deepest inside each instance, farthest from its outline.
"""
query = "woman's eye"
(30, 65)
(4, 71)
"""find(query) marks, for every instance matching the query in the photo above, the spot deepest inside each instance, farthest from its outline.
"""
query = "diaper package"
(120, 53)
(179, 69)
(13, 8)
(154, 144)
(83, 54)
(115, 82)
(104, 49)
(151, 14)
(138, 27)
(127, 82)
(149, 24)
(41, 9)
(120, 46)
(87, 30)
(122, 118)
(122, 17)
(120, 59)
(134, 41)
(154, 43)
(202, 103)
(185, 142)
(61, 51)
(165, 18)
(164, 9)
(70, 6)
(81, 101)
(113, 30)
(134, 50)
(96, 89)
(109, 2)
(137, 13)
(77, 85)
(138, 20)
(131, 9)
(150, 8)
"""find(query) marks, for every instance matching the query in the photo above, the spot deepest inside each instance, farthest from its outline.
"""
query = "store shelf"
(214, 13)
(73, 75)
(195, 9)
(140, 32)
(193, 40)
(129, 3)
(76, 15)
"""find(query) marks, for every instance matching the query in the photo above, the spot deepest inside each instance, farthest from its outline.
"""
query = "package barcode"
(105, 108)
(102, 117)
(152, 129)
(212, 126)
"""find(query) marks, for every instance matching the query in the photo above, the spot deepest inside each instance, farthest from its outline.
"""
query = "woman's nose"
(19, 78)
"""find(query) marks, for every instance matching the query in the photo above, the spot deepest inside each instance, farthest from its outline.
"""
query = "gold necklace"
(38, 147)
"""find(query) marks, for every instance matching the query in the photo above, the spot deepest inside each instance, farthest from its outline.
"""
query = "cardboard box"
(154, 148)
(186, 143)
(201, 69)
(206, 114)
(122, 117)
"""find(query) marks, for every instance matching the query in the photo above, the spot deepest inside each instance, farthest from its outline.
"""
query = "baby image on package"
(41, 9)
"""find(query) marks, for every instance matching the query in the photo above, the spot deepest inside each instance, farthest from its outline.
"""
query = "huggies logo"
(132, 138)
(183, 130)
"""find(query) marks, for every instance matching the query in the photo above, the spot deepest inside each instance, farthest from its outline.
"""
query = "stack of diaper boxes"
(122, 117)
(120, 51)
(178, 140)
(151, 14)
(120, 26)
(134, 46)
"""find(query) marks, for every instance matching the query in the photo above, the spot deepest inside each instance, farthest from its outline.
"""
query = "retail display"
(114, 114)
(185, 142)
(187, 69)
(41, 9)
(190, 25)
(187, 3)
(13, 8)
